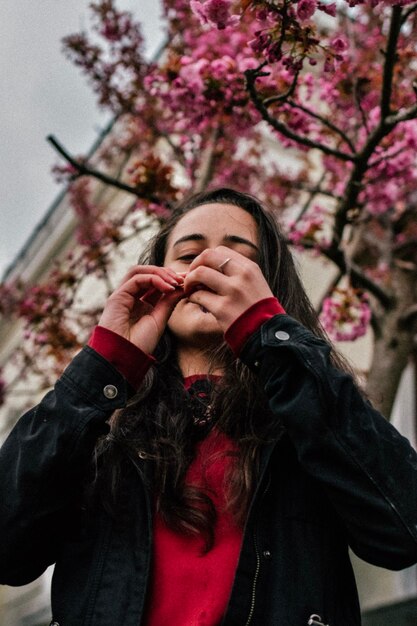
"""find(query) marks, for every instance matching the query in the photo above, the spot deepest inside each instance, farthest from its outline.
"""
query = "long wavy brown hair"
(156, 429)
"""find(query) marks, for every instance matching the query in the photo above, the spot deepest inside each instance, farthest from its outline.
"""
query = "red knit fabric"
(129, 360)
(189, 587)
(245, 325)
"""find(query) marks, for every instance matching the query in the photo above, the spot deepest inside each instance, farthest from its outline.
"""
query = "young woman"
(207, 459)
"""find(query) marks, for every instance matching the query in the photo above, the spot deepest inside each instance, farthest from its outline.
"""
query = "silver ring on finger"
(223, 264)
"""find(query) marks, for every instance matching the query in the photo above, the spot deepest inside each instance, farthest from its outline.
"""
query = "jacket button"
(282, 335)
(266, 554)
(54, 624)
(110, 391)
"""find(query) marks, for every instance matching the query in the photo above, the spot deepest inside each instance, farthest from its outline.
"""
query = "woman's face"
(206, 226)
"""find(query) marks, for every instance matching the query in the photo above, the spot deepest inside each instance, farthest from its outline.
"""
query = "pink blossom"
(10, 295)
(329, 65)
(330, 9)
(306, 9)
(152, 208)
(339, 45)
(346, 314)
(311, 229)
(192, 74)
(216, 12)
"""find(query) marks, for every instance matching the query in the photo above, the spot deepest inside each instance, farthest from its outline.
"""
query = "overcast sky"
(43, 93)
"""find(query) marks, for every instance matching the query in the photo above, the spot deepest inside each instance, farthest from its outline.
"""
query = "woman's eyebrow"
(192, 237)
(237, 239)
(226, 239)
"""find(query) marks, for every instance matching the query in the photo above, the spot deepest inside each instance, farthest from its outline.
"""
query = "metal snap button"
(266, 554)
(315, 620)
(282, 335)
(256, 364)
(110, 391)
(54, 624)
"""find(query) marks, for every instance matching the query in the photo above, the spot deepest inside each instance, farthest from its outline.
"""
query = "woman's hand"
(140, 307)
(225, 291)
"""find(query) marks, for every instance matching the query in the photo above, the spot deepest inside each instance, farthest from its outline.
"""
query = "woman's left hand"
(225, 289)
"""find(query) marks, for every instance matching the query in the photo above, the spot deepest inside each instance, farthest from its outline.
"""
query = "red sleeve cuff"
(129, 360)
(245, 325)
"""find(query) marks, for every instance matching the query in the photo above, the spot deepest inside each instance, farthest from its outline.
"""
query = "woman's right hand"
(140, 307)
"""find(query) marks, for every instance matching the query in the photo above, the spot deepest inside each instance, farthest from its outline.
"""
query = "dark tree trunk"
(393, 344)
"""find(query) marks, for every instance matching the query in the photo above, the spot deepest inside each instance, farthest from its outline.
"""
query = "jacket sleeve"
(368, 470)
(43, 462)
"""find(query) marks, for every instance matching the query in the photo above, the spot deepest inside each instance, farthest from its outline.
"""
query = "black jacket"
(340, 475)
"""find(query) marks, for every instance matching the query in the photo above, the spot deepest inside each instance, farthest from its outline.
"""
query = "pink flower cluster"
(311, 230)
(214, 12)
(94, 232)
(38, 302)
(206, 87)
(394, 171)
(10, 296)
(306, 9)
(346, 314)
(115, 69)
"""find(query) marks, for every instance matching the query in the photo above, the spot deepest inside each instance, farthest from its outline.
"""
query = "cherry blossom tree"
(310, 105)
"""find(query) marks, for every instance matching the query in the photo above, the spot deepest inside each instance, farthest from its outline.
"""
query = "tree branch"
(408, 317)
(359, 105)
(316, 189)
(403, 248)
(360, 279)
(409, 12)
(251, 76)
(312, 194)
(329, 290)
(361, 165)
(325, 122)
(285, 95)
(391, 155)
(390, 60)
(408, 114)
(319, 191)
(85, 170)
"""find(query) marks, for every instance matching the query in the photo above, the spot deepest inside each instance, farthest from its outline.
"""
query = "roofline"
(54, 206)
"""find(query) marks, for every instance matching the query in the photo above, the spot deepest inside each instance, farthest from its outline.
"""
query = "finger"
(204, 277)
(222, 259)
(210, 301)
(152, 295)
(165, 305)
(166, 273)
(140, 284)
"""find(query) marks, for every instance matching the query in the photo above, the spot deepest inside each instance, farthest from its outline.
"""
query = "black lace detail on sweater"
(200, 406)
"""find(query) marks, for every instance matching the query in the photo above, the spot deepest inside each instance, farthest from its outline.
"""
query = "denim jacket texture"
(340, 476)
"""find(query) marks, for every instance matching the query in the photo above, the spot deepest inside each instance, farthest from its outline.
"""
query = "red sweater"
(189, 587)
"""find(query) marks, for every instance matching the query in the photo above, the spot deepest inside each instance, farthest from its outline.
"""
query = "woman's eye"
(187, 257)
